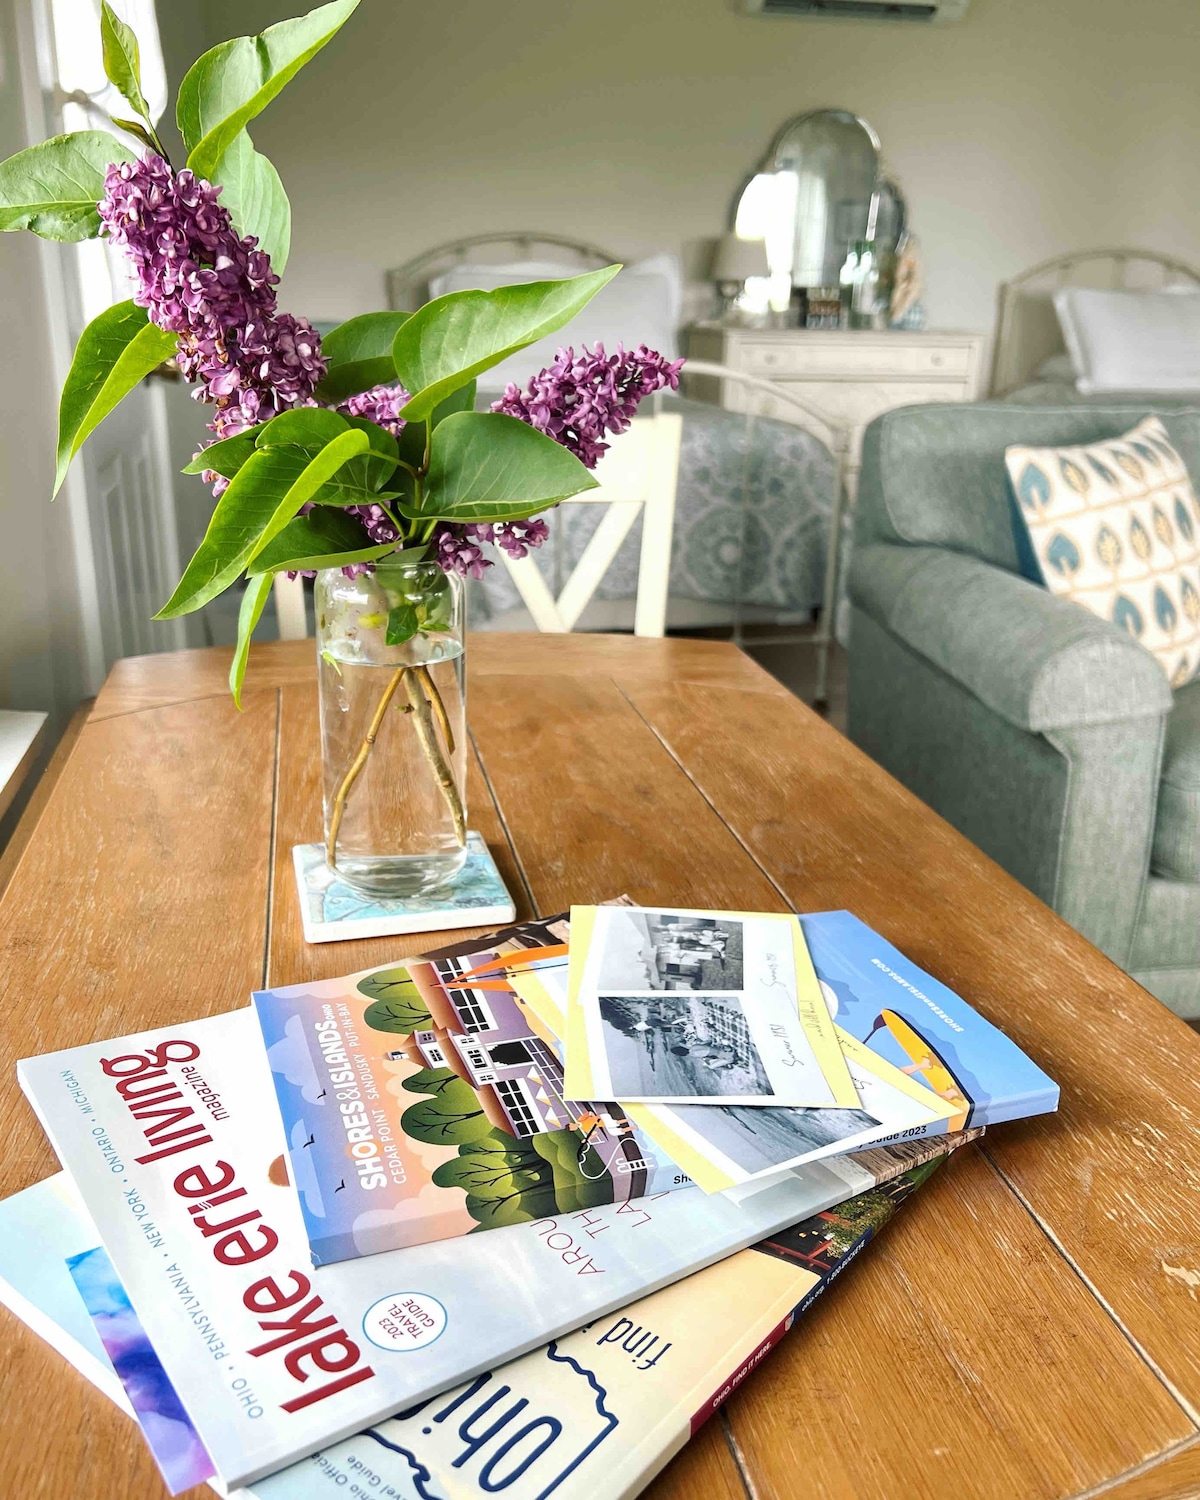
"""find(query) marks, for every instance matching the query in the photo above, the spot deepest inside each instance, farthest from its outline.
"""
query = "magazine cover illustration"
(425, 1101)
(922, 1027)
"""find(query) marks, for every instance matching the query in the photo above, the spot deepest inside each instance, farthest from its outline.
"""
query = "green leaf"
(255, 198)
(135, 129)
(412, 434)
(253, 603)
(318, 470)
(225, 457)
(359, 352)
(488, 467)
(305, 426)
(224, 90)
(401, 624)
(115, 351)
(54, 188)
(322, 539)
(456, 337)
(237, 523)
(122, 62)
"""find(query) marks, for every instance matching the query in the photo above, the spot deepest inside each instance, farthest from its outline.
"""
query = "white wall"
(1031, 127)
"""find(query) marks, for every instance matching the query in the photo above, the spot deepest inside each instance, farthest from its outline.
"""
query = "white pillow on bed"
(641, 305)
(1131, 341)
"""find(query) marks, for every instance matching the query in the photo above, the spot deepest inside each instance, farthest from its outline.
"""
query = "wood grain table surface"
(1028, 1326)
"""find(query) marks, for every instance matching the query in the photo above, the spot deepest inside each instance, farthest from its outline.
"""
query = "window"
(518, 1106)
(509, 1054)
(83, 99)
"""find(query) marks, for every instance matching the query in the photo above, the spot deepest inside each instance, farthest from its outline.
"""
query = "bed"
(755, 496)
(1031, 364)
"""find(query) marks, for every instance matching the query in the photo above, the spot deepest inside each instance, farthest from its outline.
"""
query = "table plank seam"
(783, 895)
(1164, 1380)
(512, 847)
(149, 708)
(739, 1458)
(1147, 1466)
(273, 845)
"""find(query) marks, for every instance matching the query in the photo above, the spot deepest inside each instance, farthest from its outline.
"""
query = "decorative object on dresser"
(737, 259)
(822, 205)
(1030, 358)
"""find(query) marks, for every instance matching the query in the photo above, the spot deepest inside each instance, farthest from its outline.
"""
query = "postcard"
(722, 1146)
(686, 1007)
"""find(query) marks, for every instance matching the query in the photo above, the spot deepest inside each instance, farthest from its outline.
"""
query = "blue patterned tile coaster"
(333, 912)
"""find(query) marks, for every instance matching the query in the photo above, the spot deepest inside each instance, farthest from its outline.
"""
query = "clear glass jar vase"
(393, 727)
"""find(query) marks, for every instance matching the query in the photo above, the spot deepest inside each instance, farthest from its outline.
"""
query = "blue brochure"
(917, 1023)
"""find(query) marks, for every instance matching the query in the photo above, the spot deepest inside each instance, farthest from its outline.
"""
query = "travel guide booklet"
(673, 1006)
(592, 1416)
(425, 1100)
(171, 1141)
(914, 1021)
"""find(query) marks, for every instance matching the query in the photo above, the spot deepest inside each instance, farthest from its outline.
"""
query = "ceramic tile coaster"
(333, 912)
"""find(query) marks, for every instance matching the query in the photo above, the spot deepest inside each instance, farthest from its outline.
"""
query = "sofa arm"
(1040, 662)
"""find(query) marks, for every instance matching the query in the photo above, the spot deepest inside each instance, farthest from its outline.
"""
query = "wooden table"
(1028, 1327)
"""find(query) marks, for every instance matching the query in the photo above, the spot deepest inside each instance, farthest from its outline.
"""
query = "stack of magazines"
(516, 1216)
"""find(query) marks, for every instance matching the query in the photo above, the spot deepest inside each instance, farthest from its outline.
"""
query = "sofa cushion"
(1176, 852)
(1114, 527)
(934, 475)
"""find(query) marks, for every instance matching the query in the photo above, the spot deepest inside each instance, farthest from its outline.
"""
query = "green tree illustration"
(510, 1181)
(398, 1006)
(451, 1117)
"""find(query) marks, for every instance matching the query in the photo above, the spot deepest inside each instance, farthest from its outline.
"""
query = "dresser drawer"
(848, 359)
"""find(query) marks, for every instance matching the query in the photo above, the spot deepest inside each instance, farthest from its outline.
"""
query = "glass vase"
(393, 727)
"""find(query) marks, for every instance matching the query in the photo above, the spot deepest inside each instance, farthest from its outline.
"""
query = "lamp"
(737, 259)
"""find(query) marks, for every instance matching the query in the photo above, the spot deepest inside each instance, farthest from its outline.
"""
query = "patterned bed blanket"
(753, 503)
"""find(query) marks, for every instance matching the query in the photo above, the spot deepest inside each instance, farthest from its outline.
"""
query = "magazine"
(425, 1100)
(913, 1020)
(171, 1141)
(627, 1392)
(673, 1006)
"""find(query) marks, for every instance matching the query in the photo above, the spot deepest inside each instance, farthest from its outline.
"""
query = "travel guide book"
(673, 1006)
(913, 1020)
(591, 1416)
(425, 1100)
(333, 911)
(172, 1144)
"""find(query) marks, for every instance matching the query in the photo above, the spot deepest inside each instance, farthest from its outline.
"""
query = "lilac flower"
(381, 405)
(580, 399)
(197, 279)
(458, 550)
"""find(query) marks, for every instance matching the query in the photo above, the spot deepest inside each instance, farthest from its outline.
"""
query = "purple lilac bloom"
(580, 399)
(381, 405)
(199, 280)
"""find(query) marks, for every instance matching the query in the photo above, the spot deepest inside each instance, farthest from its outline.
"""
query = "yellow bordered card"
(670, 1006)
(722, 1146)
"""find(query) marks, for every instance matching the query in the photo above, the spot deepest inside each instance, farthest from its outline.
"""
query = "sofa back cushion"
(935, 475)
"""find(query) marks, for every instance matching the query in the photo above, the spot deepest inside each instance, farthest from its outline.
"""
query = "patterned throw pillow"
(1115, 526)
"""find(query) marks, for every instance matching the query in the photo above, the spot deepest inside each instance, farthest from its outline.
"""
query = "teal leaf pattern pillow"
(1115, 526)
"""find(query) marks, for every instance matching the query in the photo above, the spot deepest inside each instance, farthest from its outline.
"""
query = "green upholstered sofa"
(1045, 734)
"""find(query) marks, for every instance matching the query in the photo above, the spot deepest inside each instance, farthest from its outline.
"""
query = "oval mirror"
(816, 192)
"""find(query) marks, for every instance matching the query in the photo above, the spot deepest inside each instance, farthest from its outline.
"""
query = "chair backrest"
(1027, 332)
(637, 475)
(934, 475)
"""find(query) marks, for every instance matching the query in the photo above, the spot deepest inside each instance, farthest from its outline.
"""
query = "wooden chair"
(638, 474)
